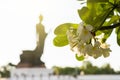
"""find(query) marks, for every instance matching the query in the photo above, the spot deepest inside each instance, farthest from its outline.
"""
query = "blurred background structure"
(31, 58)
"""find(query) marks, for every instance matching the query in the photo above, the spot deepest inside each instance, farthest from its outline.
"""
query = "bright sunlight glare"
(18, 19)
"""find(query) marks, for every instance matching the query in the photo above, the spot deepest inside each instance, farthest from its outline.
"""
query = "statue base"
(29, 59)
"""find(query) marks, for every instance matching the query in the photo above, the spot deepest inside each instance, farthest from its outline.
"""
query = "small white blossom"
(89, 27)
(81, 48)
(84, 43)
(84, 33)
(105, 50)
(88, 49)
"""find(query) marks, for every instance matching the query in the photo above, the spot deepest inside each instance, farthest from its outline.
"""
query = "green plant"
(88, 38)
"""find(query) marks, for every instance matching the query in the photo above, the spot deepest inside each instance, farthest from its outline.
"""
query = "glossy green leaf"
(100, 19)
(112, 1)
(62, 29)
(113, 19)
(79, 58)
(117, 2)
(85, 15)
(107, 34)
(92, 11)
(118, 35)
(60, 40)
(118, 8)
(98, 32)
(116, 30)
(97, 1)
(96, 12)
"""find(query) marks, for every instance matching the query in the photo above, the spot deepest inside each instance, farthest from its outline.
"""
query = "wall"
(47, 74)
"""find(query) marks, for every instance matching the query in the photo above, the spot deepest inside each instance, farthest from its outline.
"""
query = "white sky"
(18, 19)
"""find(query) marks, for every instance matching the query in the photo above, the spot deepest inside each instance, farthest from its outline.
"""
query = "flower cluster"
(84, 43)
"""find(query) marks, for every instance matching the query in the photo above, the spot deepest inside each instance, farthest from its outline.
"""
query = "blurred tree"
(86, 68)
(5, 70)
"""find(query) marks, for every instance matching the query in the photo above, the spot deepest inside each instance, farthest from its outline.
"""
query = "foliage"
(60, 31)
(5, 70)
(99, 18)
(66, 71)
(87, 68)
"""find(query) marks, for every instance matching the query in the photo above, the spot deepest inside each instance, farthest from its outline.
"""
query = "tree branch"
(110, 27)
(102, 22)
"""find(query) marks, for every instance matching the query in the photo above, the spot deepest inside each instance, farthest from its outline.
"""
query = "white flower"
(89, 27)
(84, 43)
(96, 52)
(105, 50)
(80, 28)
(97, 44)
(72, 38)
(84, 33)
(104, 45)
(81, 48)
(88, 49)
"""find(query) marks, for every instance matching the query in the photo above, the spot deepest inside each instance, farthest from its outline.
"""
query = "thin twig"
(110, 27)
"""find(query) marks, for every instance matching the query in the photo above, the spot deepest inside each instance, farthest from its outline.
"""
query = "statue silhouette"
(32, 58)
(41, 35)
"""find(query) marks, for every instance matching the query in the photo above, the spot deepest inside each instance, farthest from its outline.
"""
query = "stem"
(109, 27)
(102, 22)
(107, 16)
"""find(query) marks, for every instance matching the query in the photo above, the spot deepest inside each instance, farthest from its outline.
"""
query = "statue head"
(40, 18)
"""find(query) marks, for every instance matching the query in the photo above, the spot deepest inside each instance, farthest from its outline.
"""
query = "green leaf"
(60, 40)
(112, 1)
(85, 15)
(107, 33)
(62, 29)
(116, 30)
(92, 10)
(118, 35)
(117, 2)
(97, 1)
(98, 32)
(100, 19)
(113, 20)
(118, 8)
(79, 58)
